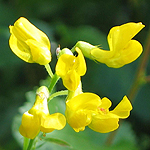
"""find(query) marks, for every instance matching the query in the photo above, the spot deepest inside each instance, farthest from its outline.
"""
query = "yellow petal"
(24, 29)
(103, 125)
(131, 52)
(51, 122)
(30, 126)
(89, 101)
(119, 36)
(78, 119)
(72, 94)
(39, 52)
(40, 106)
(127, 55)
(21, 49)
(64, 64)
(80, 63)
(102, 56)
(106, 103)
(71, 80)
(122, 110)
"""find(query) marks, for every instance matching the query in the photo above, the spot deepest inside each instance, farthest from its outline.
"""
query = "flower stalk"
(49, 70)
(30, 144)
(25, 143)
(54, 80)
(59, 93)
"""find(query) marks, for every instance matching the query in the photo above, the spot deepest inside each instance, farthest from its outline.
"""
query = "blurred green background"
(65, 23)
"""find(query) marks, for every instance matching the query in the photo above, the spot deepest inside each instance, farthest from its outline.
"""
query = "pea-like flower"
(70, 68)
(87, 109)
(79, 110)
(104, 121)
(29, 43)
(123, 50)
(38, 118)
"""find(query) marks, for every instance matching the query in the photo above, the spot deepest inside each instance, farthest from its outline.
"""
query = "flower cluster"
(82, 108)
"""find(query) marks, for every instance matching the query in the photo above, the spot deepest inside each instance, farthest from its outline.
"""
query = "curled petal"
(119, 36)
(80, 63)
(106, 103)
(51, 122)
(122, 110)
(127, 55)
(103, 125)
(21, 49)
(79, 109)
(87, 101)
(71, 80)
(130, 52)
(39, 52)
(30, 125)
(64, 64)
(78, 119)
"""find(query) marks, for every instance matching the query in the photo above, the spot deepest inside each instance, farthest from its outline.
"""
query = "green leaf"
(57, 141)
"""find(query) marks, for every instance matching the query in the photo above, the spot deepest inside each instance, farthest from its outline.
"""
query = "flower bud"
(86, 48)
(29, 43)
(63, 51)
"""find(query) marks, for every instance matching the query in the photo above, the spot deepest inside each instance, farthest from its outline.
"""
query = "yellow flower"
(29, 43)
(123, 50)
(70, 68)
(87, 109)
(38, 118)
(104, 121)
(79, 108)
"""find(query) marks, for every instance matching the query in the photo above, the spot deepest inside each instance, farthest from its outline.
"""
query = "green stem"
(25, 144)
(54, 80)
(30, 144)
(59, 93)
(141, 71)
(139, 80)
(48, 69)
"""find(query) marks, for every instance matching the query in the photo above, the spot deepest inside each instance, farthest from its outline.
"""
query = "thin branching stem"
(139, 80)
(59, 93)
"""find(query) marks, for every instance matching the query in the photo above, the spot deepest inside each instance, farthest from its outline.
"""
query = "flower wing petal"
(51, 122)
(103, 125)
(64, 64)
(81, 64)
(122, 110)
(71, 80)
(119, 36)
